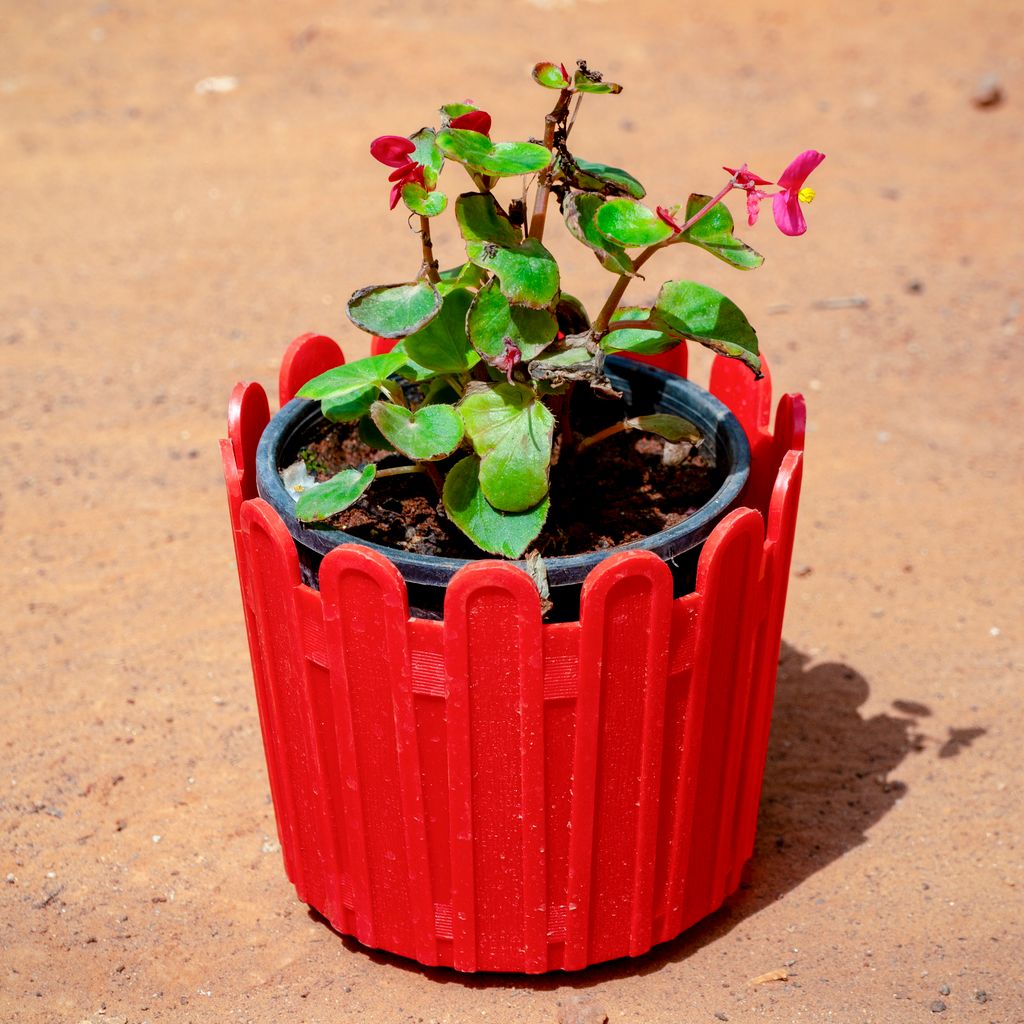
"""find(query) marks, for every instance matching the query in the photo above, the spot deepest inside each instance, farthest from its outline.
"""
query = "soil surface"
(645, 485)
(186, 187)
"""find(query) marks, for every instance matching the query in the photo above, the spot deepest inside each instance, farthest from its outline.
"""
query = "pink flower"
(394, 151)
(666, 216)
(474, 121)
(750, 183)
(509, 359)
(786, 204)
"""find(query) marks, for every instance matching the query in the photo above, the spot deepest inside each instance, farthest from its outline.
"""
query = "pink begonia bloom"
(474, 121)
(394, 151)
(750, 182)
(666, 216)
(786, 204)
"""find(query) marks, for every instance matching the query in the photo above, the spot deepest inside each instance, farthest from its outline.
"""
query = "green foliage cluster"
(494, 346)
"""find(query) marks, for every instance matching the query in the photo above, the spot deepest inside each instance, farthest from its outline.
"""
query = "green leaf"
(430, 433)
(352, 378)
(492, 320)
(630, 223)
(350, 407)
(714, 232)
(511, 431)
(394, 310)
(450, 111)
(481, 220)
(582, 82)
(370, 435)
(443, 344)
(642, 340)
(598, 177)
(691, 310)
(527, 273)
(334, 495)
(427, 154)
(580, 210)
(500, 533)
(410, 369)
(419, 200)
(664, 424)
(496, 159)
(571, 315)
(550, 75)
(467, 275)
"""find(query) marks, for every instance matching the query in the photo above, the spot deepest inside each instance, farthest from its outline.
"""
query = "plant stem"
(601, 435)
(565, 431)
(430, 265)
(540, 203)
(394, 392)
(435, 477)
(418, 467)
(453, 382)
(612, 302)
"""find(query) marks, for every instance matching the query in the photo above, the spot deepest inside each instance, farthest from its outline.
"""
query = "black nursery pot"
(646, 389)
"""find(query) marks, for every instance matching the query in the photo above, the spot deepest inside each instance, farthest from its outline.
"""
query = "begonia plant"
(490, 352)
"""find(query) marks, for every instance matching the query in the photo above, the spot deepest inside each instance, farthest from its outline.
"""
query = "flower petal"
(796, 173)
(748, 177)
(396, 191)
(392, 150)
(666, 216)
(403, 172)
(788, 215)
(474, 121)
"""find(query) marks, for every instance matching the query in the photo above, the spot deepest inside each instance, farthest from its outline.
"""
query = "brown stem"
(430, 265)
(565, 432)
(435, 477)
(601, 435)
(400, 470)
(551, 124)
(612, 302)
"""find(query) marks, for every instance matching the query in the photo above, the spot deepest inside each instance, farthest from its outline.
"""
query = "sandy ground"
(160, 244)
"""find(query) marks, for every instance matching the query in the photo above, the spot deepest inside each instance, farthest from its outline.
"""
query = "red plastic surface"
(494, 793)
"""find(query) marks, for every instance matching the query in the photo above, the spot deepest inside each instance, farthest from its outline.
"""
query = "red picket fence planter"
(534, 797)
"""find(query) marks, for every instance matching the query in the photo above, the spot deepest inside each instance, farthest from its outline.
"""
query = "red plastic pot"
(546, 796)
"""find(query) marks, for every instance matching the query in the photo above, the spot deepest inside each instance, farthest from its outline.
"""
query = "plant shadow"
(827, 781)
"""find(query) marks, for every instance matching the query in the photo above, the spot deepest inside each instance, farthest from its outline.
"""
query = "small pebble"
(938, 1006)
(988, 93)
(981, 995)
(11, 879)
(943, 990)
(915, 287)
(721, 1016)
(156, 839)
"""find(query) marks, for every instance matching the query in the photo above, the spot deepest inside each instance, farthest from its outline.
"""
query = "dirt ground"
(161, 242)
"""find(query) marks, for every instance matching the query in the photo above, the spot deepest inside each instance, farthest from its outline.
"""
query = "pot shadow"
(827, 781)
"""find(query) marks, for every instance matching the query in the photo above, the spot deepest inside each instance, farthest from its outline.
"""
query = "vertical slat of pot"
(674, 836)
(493, 659)
(306, 357)
(248, 415)
(284, 702)
(751, 403)
(366, 625)
(625, 619)
(781, 528)
(727, 580)
(329, 790)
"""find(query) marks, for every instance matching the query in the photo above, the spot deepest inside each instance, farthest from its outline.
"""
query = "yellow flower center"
(806, 195)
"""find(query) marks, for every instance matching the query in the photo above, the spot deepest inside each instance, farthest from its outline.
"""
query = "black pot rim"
(699, 405)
